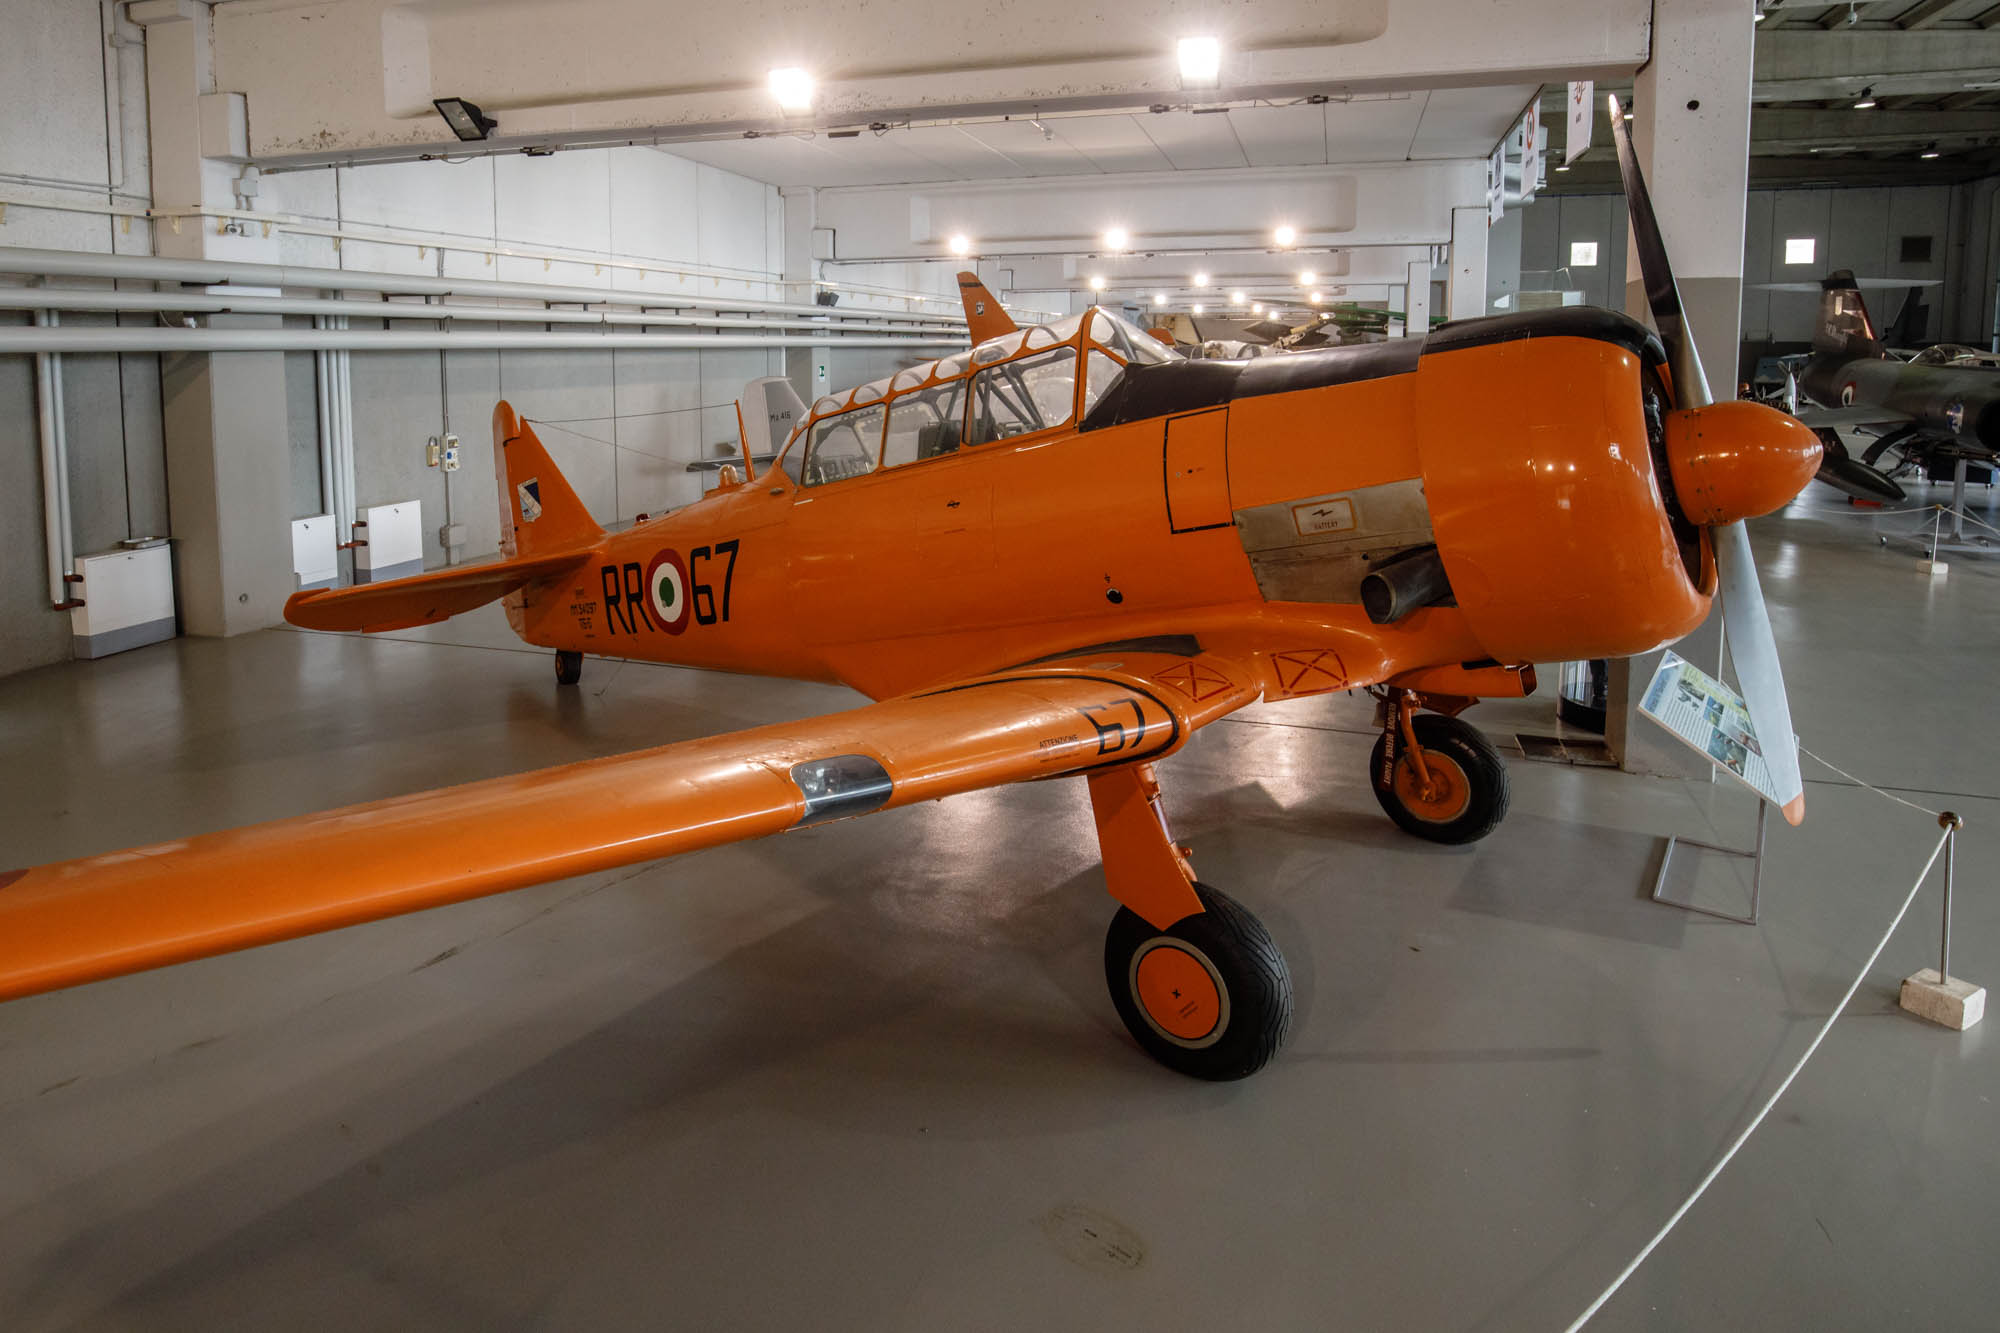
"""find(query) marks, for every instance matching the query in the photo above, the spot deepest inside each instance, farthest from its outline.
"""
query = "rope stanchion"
(1950, 830)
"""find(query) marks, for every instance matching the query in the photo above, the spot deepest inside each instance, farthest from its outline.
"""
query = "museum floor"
(867, 1076)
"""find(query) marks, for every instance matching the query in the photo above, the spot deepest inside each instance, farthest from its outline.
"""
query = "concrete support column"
(1465, 293)
(224, 418)
(228, 483)
(1691, 128)
(802, 364)
(1417, 300)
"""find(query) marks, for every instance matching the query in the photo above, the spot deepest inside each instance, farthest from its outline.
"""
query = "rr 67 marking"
(668, 592)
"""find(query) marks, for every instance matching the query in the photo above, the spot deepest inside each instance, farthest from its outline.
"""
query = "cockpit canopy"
(1953, 354)
(1034, 379)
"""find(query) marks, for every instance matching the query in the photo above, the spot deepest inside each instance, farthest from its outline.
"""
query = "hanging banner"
(1496, 184)
(1582, 120)
(1532, 143)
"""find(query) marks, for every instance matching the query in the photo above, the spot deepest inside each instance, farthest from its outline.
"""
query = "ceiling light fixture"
(1865, 102)
(1314, 297)
(1097, 282)
(1195, 308)
(1117, 238)
(1236, 298)
(1929, 153)
(1286, 235)
(1201, 279)
(1308, 278)
(792, 87)
(467, 121)
(1257, 308)
(1159, 298)
(960, 243)
(1201, 62)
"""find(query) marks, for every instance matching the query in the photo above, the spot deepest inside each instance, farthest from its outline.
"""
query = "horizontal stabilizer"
(422, 598)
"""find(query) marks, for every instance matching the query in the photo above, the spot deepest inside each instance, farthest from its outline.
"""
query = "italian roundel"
(666, 585)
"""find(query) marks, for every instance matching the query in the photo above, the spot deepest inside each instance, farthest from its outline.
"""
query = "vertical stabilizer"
(539, 513)
(1844, 328)
(983, 316)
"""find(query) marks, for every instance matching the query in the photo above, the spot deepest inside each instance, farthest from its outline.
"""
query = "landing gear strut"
(569, 667)
(1196, 978)
(1437, 777)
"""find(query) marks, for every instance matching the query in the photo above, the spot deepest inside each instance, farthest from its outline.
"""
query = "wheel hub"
(1440, 800)
(1178, 991)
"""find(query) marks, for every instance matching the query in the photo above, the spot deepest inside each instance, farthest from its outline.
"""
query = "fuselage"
(1238, 504)
(1945, 402)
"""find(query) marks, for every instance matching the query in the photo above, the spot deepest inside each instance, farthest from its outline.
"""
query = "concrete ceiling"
(1932, 68)
(1389, 127)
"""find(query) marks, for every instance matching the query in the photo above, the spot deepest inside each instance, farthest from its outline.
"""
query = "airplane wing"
(1851, 416)
(102, 916)
(422, 599)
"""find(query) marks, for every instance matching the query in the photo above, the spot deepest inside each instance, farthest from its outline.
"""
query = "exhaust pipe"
(1404, 584)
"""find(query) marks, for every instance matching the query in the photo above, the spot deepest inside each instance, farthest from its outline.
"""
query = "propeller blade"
(1690, 385)
(1755, 652)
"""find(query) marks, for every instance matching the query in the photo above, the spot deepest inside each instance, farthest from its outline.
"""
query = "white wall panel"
(562, 200)
(731, 221)
(653, 204)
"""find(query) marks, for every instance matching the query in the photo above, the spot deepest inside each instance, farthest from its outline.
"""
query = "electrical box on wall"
(313, 557)
(128, 600)
(395, 542)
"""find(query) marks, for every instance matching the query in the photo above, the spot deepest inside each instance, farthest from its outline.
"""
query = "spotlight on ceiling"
(1201, 62)
(1257, 308)
(1117, 238)
(1929, 153)
(1286, 235)
(1307, 278)
(1097, 282)
(960, 244)
(1195, 309)
(1236, 298)
(1201, 279)
(1314, 297)
(792, 87)
(1865, 102)
(1159, 298)
(467, 121)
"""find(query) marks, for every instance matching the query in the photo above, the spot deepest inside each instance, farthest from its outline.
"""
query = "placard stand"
(1755, 856)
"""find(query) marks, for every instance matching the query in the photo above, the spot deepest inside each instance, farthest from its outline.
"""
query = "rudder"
(1844, 328)
(539, 512)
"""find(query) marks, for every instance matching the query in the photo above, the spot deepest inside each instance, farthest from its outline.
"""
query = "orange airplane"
(1058, 554)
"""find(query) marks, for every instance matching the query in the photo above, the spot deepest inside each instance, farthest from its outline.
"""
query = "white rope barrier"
(1758, 1119)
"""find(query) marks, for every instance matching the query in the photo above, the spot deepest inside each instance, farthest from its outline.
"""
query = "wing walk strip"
(101, 916)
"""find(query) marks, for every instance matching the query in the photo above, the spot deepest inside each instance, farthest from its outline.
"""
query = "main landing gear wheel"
(1467, 795)
(569, 667)
(1209, 996)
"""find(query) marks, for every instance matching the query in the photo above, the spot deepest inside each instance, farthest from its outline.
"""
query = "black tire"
(569, 667)
(1250, 1006)
(1475, 797)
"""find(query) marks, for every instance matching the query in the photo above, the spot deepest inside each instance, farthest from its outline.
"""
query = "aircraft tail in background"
(1844, 328)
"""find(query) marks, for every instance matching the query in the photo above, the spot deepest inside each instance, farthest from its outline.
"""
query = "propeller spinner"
(1730, 461)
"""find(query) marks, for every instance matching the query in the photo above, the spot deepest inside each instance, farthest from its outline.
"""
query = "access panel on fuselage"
(1197, 471)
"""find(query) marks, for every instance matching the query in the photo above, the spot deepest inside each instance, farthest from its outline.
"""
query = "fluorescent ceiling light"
(1799, 249)
(1865, 102)
(1201, 62)
(1286, 234)
(466, 120)
(792, 87)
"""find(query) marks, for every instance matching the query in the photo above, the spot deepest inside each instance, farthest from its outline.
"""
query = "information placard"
(1702, 712)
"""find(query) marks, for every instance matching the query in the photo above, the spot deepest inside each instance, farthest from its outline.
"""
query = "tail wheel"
(1209, 996)
(1466, 797)
(569, 667)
